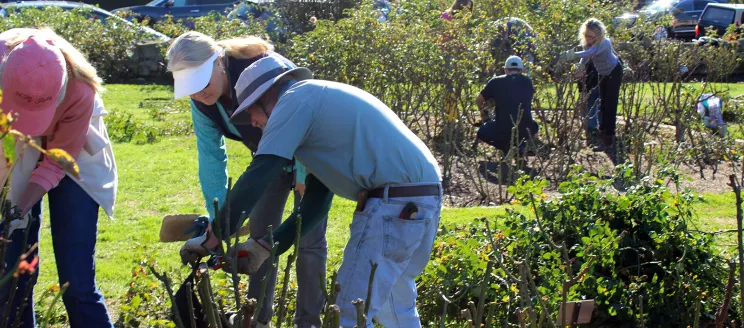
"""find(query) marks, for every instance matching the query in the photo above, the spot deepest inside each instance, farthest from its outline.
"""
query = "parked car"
(179, 9)
(719, 17)
(275, 25)
(685, 14)
(95, 13)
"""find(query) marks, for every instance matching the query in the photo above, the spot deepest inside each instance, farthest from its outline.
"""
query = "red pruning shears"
(216, 262)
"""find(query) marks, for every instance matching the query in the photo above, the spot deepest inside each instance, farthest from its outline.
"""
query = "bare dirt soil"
(471, 179)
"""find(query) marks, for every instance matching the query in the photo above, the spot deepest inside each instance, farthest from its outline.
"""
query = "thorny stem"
(739, 217)
(335, 314)
(520, 316)
(5, 241)
(369, 287)
(640, 311)
(524, 290)
(27, 140)
(285, 284)
(335, 288)
(472, 310)
(465, 314)
(216, 220)
(8, 276)
(234, 254)
(546, 310)
(454, 298)
(64, 163)
(8, 177)
(497, 253)
(330, 297)
(14, 284)
(696, 323)
(265, 280)
(190, 302)
(489, 316)
(234, 268)
(722, 314)
(56, 298)
(249, 308)
(205, 291)
(361, 318)
(482, 297)
(540, 226)
(25, 299)
(163, 277)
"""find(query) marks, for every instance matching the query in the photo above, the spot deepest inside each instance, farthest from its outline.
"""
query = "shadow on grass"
(503, 173)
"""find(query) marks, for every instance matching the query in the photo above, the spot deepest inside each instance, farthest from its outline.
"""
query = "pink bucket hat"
(33, 78)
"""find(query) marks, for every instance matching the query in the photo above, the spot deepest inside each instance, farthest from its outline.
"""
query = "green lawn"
(161, 178)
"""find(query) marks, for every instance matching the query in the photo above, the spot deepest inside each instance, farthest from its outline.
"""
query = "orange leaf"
(65, 161)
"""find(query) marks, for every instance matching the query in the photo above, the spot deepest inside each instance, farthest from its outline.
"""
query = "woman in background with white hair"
(206, 71)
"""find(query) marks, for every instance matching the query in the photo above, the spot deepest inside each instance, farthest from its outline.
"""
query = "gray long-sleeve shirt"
(601, 55)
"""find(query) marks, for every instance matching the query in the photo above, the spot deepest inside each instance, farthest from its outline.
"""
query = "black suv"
(179, 9)
(719, 17)
(685, 14)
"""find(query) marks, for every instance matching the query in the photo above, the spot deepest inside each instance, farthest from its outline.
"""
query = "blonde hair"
(596, 26)
(192, 49)
(77, 65)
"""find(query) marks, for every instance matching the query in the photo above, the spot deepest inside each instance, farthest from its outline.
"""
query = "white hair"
(189, 50)
(192, 49)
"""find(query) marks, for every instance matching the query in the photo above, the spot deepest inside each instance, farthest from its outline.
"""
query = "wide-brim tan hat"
(258, 78)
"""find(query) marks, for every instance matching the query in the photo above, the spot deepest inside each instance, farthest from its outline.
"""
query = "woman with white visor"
(206, 71)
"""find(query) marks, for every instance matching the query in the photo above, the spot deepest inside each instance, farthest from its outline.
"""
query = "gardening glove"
(17, 223)
(256, 252)
(568, 55)
(579, 73)
(196, 247)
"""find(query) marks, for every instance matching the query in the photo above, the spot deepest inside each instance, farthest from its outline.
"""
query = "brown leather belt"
(396, 192)
(405, 191)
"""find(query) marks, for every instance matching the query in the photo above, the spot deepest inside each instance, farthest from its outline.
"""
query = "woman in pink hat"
(54, 91)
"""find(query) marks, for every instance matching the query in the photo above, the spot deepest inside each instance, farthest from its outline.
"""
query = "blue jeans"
(401, 248)
(592, 110)
(74, 222)
(500, 137)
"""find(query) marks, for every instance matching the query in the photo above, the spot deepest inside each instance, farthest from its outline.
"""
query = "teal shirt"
(346, 138)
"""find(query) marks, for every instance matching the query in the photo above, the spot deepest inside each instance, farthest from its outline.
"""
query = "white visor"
(189, 81)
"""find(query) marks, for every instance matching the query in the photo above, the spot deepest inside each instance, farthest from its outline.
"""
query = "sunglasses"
(201, 91)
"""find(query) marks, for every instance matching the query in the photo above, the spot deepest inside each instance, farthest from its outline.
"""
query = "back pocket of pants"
(403, 237)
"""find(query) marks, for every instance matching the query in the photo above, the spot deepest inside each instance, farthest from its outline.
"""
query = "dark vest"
(249, 135)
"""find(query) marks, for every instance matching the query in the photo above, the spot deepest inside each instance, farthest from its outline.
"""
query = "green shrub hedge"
(108, 45)
(636, 254)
